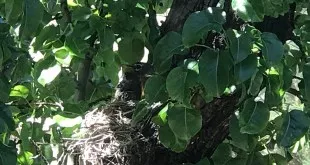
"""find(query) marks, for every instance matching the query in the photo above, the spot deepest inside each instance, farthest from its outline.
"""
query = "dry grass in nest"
(106, 136)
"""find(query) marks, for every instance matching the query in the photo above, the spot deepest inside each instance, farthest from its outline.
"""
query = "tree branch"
(84, 70)
(65, 11)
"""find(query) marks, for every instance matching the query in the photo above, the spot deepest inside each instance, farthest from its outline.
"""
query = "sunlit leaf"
(19, 91)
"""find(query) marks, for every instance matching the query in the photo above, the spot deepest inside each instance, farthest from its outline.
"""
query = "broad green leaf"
(239, 139)
(81, 13)
(19, 91)
(240, 45)
(13, 10)
(166, 47)
(8, 155)
(155, 89)
(237, 161)
(204, 161)
(6, 116)
(48, 152)
(47, 35)
(25, 158)
(169, 140)
(140, 112)
(22, 69)
(306, 76)
(179, 82)
(295, 125)
(256, 82)
(33, 14)
(131, 49)
(245, 69)
(254, 117)
(106, 65)
(6, 53)
(272, 49)
(214, 69)
(106, 38)
(274, 92)
(222, 154)
(184, 122)
(248, 12)
(4, 89)
(198, 24)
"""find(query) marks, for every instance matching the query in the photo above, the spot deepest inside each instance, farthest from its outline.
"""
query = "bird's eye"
(138, 67)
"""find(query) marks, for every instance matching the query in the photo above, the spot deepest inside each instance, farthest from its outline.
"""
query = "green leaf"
(19, 91)
(63, 56)
(131, 49)
(246, 69)
(33, 14)
(256, 83)
(239, 139)
(47, 35)
(169, 140)
(155, 89)
(13, 10)
(240, 45)
(8, 155)
(25, 158)
(214, 67)
(178, 83)
(246, 11)
(222, 154)
(198, 24)
(204, 161)
(140, 112)
(4, 89)
(184, 122)
(22, 69)
(295, 125)
(272, 49)
(306, 76)
(6, 116)
(166, 47)
(254, 117)
(274, 92)
(106, 38)
(81, 13)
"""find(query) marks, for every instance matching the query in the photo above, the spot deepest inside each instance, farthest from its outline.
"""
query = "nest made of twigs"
(107, 137)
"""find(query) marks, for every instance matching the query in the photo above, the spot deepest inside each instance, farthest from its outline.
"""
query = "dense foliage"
(58, 57)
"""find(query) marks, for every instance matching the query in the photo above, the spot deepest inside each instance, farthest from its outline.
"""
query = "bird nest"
(106, 137)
